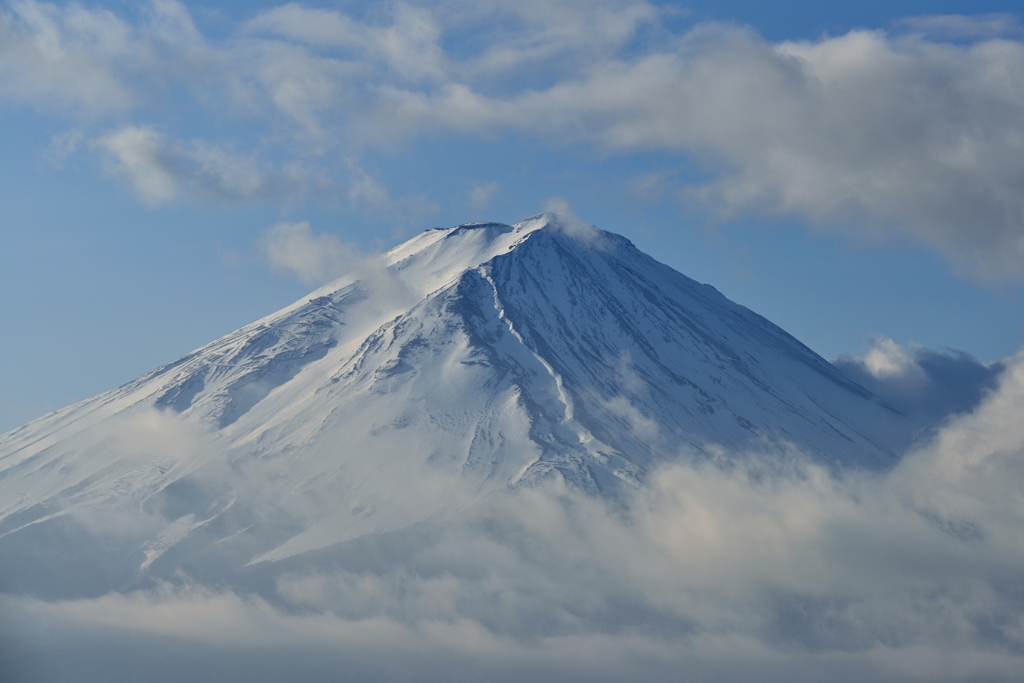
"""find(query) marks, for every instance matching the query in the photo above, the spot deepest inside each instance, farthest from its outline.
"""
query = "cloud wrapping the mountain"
(907, 134)
(927, 385)
(765, 567)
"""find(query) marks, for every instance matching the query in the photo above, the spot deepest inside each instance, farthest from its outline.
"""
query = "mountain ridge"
(470, 358)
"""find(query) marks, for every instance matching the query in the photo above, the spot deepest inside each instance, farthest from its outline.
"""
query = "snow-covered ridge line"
(470, 358)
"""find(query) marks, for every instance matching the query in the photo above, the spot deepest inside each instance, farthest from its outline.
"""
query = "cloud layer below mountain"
(747, 567)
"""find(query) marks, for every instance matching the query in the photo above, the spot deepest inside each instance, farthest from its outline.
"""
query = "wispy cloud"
(161, 171)
(963, 27)
(313, 259)
(409, 46)
(65, 57)
(821, 130)
(480, 195)
(825, 130)
(142, 155)
(368, 195)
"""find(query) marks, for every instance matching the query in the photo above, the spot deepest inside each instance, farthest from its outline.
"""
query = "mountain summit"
(467, 359)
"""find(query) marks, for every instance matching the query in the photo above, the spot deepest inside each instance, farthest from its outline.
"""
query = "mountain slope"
(463, 361)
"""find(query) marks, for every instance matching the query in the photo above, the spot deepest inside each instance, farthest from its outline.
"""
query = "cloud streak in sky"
(867, 133)
(161, 171)
(314, 259)
(910, 134)
(65, 57)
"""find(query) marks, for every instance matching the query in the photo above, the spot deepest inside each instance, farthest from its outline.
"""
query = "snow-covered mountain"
(463, 361)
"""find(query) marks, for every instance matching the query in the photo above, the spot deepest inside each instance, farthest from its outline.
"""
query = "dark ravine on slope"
(462, 362)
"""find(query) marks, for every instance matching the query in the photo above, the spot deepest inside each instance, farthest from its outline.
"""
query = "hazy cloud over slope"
(314, 259)
(779, 571)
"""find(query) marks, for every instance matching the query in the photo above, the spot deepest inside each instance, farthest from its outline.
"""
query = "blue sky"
(848, 171)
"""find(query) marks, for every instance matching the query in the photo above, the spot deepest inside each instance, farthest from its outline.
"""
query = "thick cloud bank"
(751, 567)
(926, 385)
(914, 133)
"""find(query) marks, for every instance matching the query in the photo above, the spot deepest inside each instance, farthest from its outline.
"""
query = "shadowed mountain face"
(464, 361)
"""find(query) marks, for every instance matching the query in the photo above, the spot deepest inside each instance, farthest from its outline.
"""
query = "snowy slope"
(463, 361)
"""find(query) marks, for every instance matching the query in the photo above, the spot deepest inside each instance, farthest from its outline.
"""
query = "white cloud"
(888, 359)
(960, 26)
(926, 385)
(162, 171)
(567, 221)
(142, 154)
(94, 63)
(314, 259)
(366, 194)
(64, 145)
(562, 36)
(408, 46)
(64, 57)
(825, 130)
(771, 569)
(480, 196)
(560, 207)
(875, 134)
